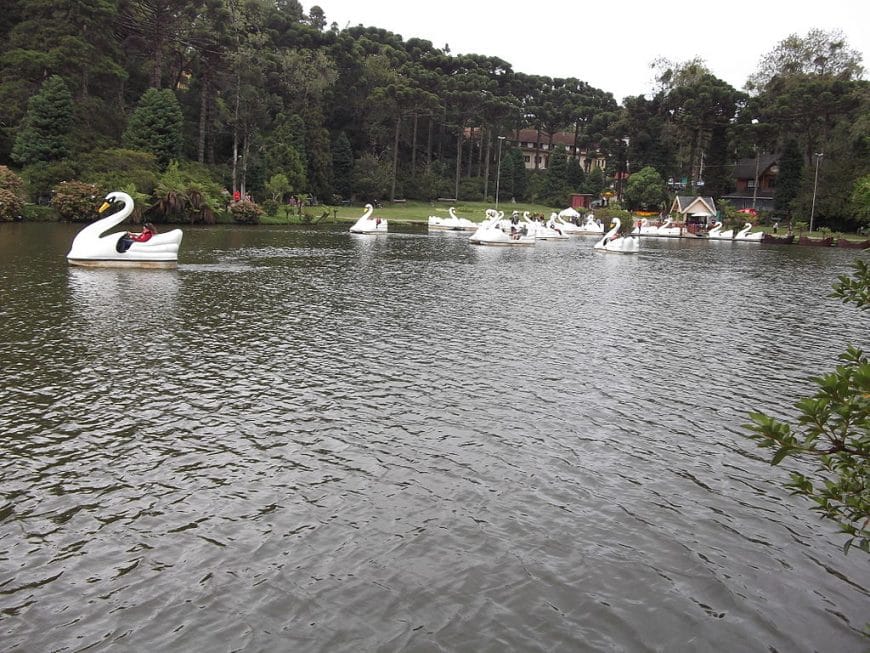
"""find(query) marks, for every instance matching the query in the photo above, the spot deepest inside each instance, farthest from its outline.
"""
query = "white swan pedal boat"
(744, 234)
(716, 232)
(590, 227)
(452, 223)
(644, 228)
(491, 232)
(369, 225)
(610, 242)
(91, 248)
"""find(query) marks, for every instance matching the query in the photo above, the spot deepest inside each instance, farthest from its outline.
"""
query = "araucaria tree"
(833, 429)
(156, 126)
(44, 131)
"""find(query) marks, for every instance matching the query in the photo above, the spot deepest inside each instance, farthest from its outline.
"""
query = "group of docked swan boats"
(93, 247)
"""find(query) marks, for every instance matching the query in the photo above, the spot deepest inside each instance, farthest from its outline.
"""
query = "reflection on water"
(307, 440)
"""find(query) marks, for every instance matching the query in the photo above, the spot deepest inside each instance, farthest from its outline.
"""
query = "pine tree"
(717, 173)
(43, 132)
(595, 181)
(156, 126)
(788, 181)
(574, 175)
(520, 175)
(555, 184)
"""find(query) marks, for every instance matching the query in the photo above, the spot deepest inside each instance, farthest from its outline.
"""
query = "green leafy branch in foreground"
(833, 429)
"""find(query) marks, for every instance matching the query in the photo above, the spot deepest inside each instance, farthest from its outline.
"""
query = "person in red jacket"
(125, 241)
(148, 230)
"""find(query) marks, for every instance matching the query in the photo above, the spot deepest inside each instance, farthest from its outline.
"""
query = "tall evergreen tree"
(718, 172)
(284, 153)
(43, 134)
(788, 181)
(595, 181)
(520, 174)
(574, 176)
(156, 126)
(555, 192)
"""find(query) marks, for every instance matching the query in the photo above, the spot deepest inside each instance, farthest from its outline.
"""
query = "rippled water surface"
(312, 441)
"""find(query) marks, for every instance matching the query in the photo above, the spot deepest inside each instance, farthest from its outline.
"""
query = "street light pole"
(818, 156)
(755, 186)
(498, 171)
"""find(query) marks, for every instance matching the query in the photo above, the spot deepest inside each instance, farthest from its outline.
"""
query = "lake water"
(303, 440)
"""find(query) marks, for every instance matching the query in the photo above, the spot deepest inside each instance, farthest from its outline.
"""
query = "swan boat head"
(91, 248)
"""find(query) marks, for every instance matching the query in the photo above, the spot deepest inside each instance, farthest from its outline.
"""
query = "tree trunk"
(236, 133)
(470, 152)
(210, 129)
(483, 130)
(203, 116)
(414, 149)
(246, 148)
(486, 167)
(429, 142)
(395, 156)
(458, 159)
(158, 63)
(693, 147)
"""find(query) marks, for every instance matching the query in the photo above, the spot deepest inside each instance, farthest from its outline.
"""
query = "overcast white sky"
(610, 44)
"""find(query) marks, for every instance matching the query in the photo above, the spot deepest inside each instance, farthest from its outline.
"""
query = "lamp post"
(755, 186)
(498, 171)
(818, 156)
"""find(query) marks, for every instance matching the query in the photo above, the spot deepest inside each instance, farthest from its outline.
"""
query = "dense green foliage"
(788, 182)
(43, 134)
(833, 430)
(156, 126)
(646, 190)
(259, 88)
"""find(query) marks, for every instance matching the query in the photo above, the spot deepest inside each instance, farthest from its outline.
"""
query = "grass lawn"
(408, 211)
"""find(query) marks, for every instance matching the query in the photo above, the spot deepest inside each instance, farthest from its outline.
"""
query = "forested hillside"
(186, 101)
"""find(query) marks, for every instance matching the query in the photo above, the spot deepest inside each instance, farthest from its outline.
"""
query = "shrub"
(10, 206)
(186, 193)
(270, 206)
(471, 189)
(246, 212)
(118, 168)
(43, 176)
(11, 182)
(77, 201)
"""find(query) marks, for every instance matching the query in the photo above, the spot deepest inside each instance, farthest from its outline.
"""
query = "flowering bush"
(77, 201)
(11, 182)
(10, 205)
(246, 212)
